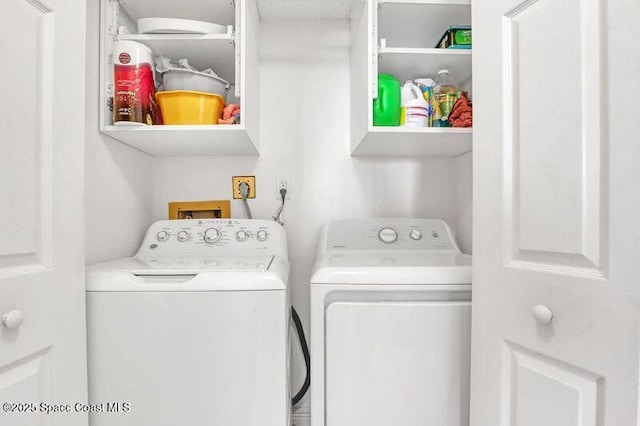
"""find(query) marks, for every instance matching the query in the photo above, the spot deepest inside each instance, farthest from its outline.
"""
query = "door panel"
(42, 331)
(552, 65)
(25, 160)
(555, 213)
(543, 391)
(27, 381)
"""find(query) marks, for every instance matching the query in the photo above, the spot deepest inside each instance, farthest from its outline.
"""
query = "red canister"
(134, 85)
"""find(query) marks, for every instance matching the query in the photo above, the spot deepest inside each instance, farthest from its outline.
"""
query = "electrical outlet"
(235, 186)
(282, 182)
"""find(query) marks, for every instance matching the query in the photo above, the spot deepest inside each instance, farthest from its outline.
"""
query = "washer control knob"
(388, 235)
(183, 236)
(415, 234)
(162, 236)
(242, 235)
(262, 235)
(212, 236)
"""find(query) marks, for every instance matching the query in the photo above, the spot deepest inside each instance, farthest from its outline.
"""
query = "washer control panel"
(389, 234)
(202, 236)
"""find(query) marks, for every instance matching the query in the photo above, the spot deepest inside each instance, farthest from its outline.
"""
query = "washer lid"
(189, 273)
(172, 265)
(393, 267)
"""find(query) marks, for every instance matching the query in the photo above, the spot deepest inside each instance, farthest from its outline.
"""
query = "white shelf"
(415, 142)
(215, 51)
(221, 12)
(423, 21)
(411, 63)
(170, 141)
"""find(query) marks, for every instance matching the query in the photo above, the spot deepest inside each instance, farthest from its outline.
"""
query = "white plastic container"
(178, 26)
(194, 81)
(414, 110)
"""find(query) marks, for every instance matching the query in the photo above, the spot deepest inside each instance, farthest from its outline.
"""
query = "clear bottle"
(445, 94)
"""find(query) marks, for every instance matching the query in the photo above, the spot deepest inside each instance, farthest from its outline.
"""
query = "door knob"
(542, 314)
(12, 319)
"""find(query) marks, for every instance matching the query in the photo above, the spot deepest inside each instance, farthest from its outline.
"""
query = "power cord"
(297, 322)
(307, 357)
(278, 213)
(245, 189)
(244, 192)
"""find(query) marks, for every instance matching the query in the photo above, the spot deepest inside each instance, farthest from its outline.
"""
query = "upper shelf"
(221, 12)
(215, 51)
(414, 142)
(423, 21)
(410, 63)
(166, 141)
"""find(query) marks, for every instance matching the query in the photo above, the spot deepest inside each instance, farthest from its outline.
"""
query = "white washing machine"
(390, 325)
(193, 330)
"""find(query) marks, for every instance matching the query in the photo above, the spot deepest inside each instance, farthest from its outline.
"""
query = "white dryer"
(390, 325)
(193, 330)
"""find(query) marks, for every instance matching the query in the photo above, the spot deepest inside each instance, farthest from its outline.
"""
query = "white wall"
(463, 198)
(118, 179)
(305, 135)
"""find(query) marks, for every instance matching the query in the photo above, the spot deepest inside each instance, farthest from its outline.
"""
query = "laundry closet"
(306, 77)
(537, 191)
(305, 83)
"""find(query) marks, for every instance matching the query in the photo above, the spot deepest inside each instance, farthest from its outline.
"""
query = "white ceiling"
(303, 9)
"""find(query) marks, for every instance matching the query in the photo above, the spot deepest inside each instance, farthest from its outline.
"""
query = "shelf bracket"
(374, 48)
(113, 10)
(237, 43)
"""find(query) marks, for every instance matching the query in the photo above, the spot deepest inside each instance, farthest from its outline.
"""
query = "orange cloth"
(462, 112)
(229, 114)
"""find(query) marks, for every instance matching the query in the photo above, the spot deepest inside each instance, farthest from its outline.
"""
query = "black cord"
(299, 329)
(307, 357)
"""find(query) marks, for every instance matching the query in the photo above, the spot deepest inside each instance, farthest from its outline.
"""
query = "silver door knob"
(542, 314)
(13, 319)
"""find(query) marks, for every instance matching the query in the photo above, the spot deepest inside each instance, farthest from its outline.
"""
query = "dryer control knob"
(388, 235)
(262, 235)
(242, 235)
(162, 236)
(415, 234)
(183, 236)
(212, 236)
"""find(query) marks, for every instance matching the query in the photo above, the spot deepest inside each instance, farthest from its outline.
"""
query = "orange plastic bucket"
(186, 107)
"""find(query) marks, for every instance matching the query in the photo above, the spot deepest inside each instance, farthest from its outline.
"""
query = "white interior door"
(556, 208)
(42, 337)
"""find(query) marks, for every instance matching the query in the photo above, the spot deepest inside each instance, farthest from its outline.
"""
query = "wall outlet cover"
(235, 186)
(283, 182)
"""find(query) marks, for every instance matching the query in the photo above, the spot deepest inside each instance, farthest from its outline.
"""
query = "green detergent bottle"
(386, 109)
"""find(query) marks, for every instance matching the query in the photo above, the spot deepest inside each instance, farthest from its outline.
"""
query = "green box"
(456, 37)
